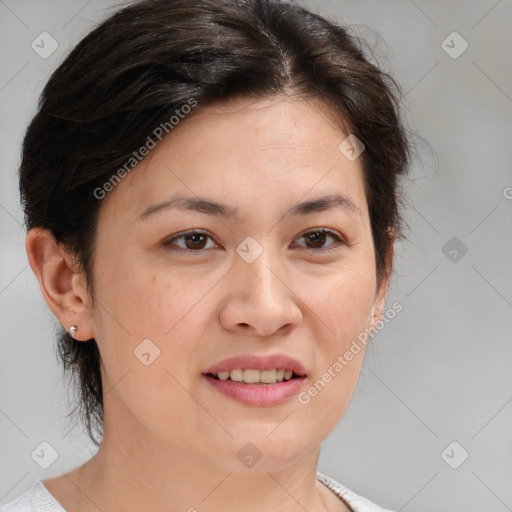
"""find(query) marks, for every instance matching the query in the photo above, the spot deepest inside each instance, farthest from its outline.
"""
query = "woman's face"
(171, 305)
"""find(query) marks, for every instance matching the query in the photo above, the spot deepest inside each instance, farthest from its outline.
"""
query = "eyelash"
(168, 243)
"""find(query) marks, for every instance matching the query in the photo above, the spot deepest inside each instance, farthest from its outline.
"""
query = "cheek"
(146, 329)
(139, 313)
(342, 301)
(342, 304)
(139, 300)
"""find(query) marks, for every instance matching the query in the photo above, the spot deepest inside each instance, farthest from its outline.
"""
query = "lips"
(257, 394)
(251, 361)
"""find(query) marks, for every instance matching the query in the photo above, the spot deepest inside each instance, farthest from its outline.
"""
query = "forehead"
(248, 149)
(278, 121)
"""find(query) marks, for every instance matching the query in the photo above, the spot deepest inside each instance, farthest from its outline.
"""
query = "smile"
(254, 376)
(257, 393)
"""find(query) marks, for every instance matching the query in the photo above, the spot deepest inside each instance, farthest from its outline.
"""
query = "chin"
(258, 453)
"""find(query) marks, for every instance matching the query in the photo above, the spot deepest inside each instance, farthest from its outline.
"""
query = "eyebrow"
(320, 204)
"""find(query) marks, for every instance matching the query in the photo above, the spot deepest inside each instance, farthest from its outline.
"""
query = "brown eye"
(193, 241)
(317, 238)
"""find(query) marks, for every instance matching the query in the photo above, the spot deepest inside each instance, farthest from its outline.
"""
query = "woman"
(211, 197)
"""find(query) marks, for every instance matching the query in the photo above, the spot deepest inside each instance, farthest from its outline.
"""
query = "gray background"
(441, 370)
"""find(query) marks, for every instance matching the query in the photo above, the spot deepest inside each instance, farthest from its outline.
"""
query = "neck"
(132, 475)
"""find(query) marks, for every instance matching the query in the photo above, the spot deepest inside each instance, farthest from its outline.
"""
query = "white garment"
(39, 499)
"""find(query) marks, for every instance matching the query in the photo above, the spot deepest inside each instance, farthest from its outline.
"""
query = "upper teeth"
(252, 376)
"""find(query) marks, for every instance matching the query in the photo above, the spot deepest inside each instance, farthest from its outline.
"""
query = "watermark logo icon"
(146, 352)
(249, 249)
(351, 147)
(249, 454)
(454, 455)
(454, 249)
(44, 45)
(44, 455)
(454, 45)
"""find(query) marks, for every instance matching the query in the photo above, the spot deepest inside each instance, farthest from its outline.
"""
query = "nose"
(261, 299)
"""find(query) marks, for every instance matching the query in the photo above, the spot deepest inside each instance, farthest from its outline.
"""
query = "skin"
(171, 440)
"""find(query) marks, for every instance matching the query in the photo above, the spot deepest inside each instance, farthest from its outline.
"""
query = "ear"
(64, 288)
(380, 296)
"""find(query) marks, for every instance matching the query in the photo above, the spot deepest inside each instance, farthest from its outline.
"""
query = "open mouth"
(257, 387)
(253, 376)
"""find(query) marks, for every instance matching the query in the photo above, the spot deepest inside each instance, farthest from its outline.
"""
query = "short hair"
(131, 73)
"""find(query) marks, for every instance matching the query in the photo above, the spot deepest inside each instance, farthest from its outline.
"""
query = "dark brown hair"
(132, 72)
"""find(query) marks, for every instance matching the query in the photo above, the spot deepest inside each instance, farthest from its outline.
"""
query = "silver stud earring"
(72, 330)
